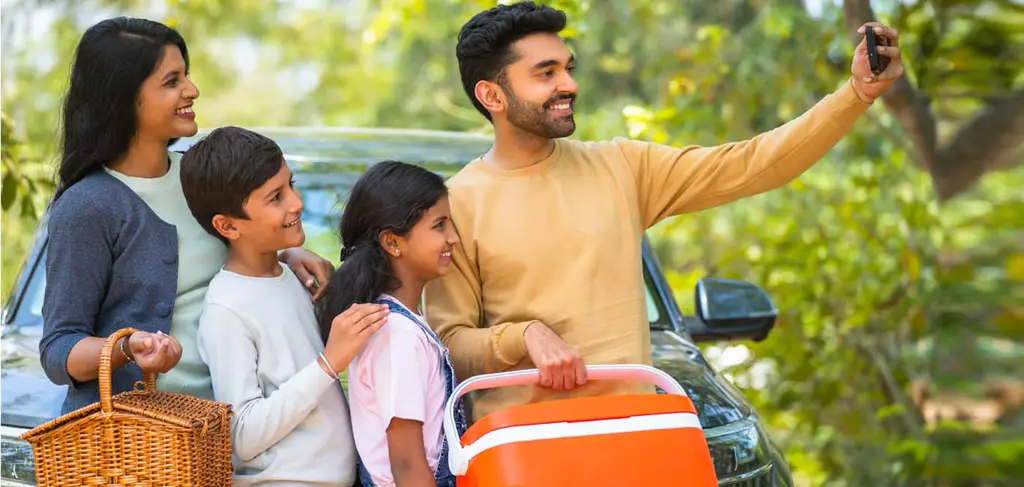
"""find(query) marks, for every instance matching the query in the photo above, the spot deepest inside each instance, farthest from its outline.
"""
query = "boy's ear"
(389, 242)
(225, 225)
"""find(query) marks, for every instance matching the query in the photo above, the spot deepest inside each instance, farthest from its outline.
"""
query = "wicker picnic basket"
(143, 437)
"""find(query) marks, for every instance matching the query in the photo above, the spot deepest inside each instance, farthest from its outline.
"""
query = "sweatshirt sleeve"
(79, 259)
(454, 307)
(228, 347)
(672, 181)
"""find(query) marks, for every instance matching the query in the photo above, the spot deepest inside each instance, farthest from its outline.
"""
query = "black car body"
(326, 162)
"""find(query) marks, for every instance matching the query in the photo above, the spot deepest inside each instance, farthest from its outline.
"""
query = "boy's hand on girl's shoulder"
(154, 352)
(351, 329)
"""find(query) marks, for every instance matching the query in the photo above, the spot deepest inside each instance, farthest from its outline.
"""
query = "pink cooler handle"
(458, 464)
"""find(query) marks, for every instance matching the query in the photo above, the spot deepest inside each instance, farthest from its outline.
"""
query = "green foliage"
(963, 49)
(25, 185)
(26, 181)
(892, 305)
(883, 293)
(845, 251)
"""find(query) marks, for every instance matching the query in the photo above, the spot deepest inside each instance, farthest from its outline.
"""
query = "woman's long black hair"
(99, 120)
(390, 196)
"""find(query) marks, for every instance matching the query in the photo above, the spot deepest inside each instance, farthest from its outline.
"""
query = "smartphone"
(877, 61)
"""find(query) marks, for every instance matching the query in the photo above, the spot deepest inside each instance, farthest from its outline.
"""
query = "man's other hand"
(560, 364)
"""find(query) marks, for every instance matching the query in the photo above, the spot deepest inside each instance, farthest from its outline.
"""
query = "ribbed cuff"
(848, 94)
(509, 344)
(55, 359)
(314, 379)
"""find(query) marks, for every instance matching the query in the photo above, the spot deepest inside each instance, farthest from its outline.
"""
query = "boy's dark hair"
(99, 117)
(220, 171)
(485, 42)
(390, 196)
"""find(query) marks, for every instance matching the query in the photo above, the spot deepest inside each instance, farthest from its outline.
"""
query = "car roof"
(317, 148)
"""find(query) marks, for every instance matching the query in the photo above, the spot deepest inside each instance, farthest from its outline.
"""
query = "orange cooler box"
(627, 440)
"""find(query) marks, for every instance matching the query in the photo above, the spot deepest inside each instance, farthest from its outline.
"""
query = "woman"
(124, 250)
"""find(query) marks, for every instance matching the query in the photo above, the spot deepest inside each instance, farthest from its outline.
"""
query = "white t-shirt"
(397, 374)
(291, 424)
(200, 256)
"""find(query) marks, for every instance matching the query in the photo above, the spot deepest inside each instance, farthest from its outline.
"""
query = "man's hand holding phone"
(876, 61)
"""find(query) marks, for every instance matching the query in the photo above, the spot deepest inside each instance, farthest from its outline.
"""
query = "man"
(549, 271)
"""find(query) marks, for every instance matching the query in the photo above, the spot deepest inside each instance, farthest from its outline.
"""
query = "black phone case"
(876, 61)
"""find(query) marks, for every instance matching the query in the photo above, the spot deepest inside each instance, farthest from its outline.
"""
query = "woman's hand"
(154, 352)
(312, 270)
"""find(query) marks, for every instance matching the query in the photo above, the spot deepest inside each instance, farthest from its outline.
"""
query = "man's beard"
(534, 119)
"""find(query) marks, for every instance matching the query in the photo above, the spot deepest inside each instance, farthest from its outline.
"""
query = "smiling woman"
(116, 167)
(119, 225)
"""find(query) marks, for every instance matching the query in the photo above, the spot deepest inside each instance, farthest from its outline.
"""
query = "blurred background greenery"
(896, 263)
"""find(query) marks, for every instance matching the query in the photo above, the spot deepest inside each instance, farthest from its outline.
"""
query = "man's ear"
(225, 225)
(390, 243)
(491, 96)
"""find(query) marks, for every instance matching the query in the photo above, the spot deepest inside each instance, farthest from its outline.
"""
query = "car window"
(30, 309)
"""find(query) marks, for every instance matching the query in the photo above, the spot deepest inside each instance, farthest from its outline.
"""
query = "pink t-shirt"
(397, 374)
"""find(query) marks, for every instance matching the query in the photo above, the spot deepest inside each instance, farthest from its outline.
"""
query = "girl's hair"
(111, 62)
(390, 196)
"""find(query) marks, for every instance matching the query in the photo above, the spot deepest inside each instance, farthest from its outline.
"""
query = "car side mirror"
(733, 310)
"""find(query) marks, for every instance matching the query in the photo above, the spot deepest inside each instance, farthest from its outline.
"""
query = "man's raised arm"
(672, 181)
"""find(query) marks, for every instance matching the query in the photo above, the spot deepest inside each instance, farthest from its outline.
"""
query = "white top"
(200, 256)
(397, 374)
(291, 424)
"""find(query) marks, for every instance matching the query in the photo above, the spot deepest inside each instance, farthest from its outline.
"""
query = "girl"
(124, 250)
(397, 235)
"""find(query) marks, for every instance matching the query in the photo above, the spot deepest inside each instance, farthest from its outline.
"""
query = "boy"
(258, 333)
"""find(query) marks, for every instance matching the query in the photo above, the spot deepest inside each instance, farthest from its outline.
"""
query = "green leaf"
(9, 191)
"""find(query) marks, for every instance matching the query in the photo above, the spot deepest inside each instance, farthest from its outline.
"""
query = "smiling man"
(549, 271)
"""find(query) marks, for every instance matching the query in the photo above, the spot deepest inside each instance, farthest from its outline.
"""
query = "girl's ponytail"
(364, 274)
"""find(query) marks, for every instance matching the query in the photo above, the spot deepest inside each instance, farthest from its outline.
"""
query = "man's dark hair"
(220, 171)
(485, 42)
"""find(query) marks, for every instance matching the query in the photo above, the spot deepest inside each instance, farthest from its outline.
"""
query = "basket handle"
(106, 357)
(645, 373)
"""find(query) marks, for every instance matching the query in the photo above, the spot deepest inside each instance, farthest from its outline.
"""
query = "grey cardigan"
(111, 263)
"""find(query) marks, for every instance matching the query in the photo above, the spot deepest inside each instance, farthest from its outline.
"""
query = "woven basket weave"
(143, 437)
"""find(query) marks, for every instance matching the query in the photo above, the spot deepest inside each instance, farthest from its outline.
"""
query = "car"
(326, 162)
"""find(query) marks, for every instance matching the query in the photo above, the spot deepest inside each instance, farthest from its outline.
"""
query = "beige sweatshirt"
(560, 241)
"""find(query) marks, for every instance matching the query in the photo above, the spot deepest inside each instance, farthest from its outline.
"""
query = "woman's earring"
(397, 252)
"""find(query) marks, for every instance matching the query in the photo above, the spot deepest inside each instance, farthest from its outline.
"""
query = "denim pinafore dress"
(443, 475)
